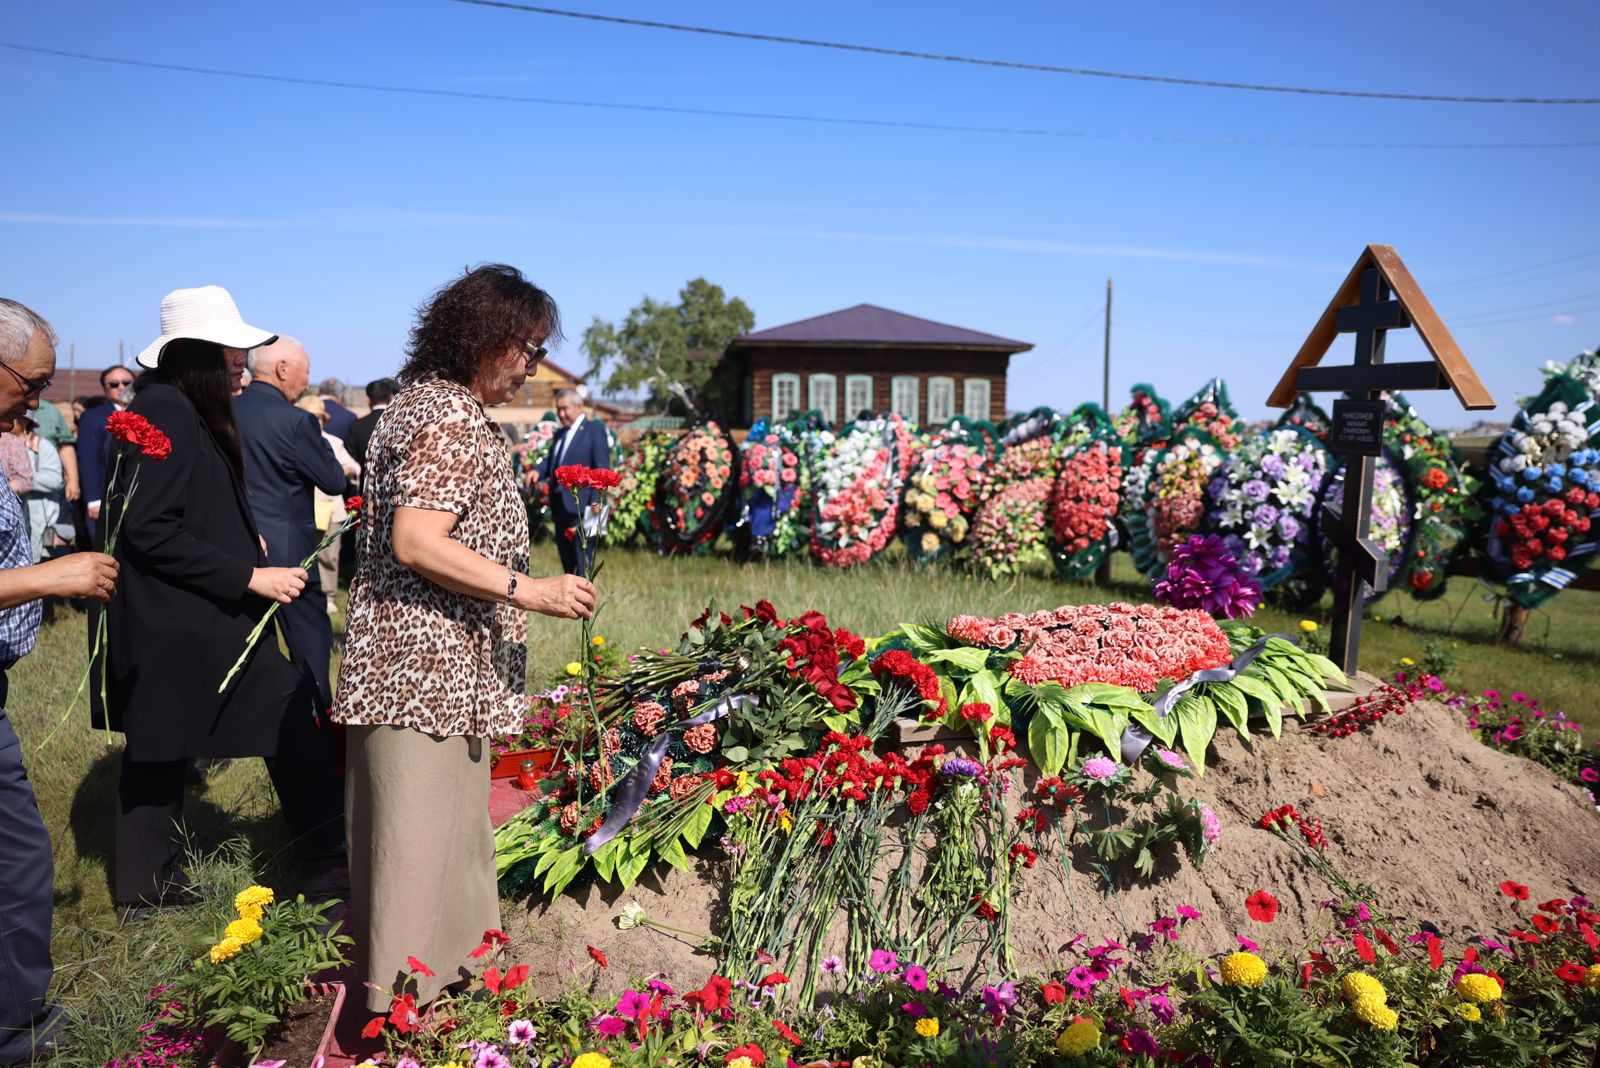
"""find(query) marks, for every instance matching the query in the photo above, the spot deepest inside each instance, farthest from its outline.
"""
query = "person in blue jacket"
(581, 441)
(285, 458)
(94, 444)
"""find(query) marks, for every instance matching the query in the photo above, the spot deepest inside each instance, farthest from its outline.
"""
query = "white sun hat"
(204, 314)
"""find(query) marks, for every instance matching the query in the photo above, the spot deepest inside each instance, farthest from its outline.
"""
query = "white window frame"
(970, 390)
(941, 387)
(899, 403)
(779, 381)
(830, 410)
(854, 406)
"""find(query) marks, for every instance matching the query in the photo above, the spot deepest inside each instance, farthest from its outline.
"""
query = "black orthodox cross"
(1377, 296)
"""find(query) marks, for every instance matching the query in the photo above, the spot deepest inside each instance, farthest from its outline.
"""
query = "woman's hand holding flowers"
(564, 597)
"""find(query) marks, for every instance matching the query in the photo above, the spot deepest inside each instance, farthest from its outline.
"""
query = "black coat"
(356, 441)
(182, 611)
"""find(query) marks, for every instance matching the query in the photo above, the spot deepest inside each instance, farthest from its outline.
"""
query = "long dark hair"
(199, 370)
(474, 319)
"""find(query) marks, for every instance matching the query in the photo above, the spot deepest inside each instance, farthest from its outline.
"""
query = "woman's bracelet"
(511, 586)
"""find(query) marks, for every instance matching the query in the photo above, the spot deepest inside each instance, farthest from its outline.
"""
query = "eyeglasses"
(30, 386)
(532, 354)
(121, 383)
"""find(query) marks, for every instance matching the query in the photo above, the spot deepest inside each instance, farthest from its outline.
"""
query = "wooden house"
(870, 359)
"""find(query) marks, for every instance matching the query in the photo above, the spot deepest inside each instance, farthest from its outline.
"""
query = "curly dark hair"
(476, 318)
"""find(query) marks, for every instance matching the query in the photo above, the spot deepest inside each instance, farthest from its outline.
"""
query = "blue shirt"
(19, 626)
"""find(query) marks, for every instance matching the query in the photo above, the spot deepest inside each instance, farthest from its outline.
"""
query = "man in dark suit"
(580, 441)
(94, 444)
(380, 391)
(331, 390)
(284, 458)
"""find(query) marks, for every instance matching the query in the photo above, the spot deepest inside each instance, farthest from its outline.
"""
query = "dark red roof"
(868, 324)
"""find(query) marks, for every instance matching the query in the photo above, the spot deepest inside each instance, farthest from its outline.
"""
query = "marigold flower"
(1308, 626)
(1243, 969)
(227, 949)
(1079, 1038)
(253, 897)
(1469, 1012)
(246, 931)
(1478, 988)
(1359, 985)
(591, 1060)
(1375, 1014)
(928, 1027)
(1591, 978)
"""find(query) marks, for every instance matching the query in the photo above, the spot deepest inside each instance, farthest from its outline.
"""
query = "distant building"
(868, 358)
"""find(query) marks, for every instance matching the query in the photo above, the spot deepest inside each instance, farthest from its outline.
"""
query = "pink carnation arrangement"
(858, 492)
(1121, 644)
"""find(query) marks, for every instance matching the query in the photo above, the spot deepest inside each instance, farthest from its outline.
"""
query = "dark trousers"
(150, 805)
(574, 560)
(310, 634)
(26, 873)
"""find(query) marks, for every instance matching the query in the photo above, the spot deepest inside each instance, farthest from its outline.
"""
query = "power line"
(724, 113)
(1044, 68)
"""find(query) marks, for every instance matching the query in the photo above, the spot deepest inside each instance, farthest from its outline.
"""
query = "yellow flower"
(1469, 1012)
(227, 949)
(1478, 988)
(598, 642)
(928, 1027)
(930, 543)
(1359, 985)
(244, 931)
(1591, 978)
(785, 821)
(251, 912)
(1243, 969)
(574, 668)
(1372, 1011)
(592, 1060)
(739, 1062)
(1308, 626)
(1079, 1038)
(1406, 661)
(938, 520)
(368, 1064)
(252, 897)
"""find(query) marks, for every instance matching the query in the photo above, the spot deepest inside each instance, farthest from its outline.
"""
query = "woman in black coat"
(194, 586)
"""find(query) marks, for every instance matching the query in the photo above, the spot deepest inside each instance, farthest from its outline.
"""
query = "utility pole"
(1105, 387)
(1102, 575)
(122, 360)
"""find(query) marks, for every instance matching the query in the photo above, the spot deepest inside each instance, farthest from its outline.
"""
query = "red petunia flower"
(403, 1013)
(1571, 974)
(786, 1031)
(1364, 949)
(374, 1027)
(713, 996)
(775, 979)
(1054, 993)
(1545, 924)
(418, 968)
(1515, 891)
(1435, 952)
(597, 956)
(1384, 940)
(750, 1050)
(1262, 906)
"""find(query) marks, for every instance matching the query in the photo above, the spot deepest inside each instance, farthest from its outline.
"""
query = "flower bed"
(697, 487)
(858, 487)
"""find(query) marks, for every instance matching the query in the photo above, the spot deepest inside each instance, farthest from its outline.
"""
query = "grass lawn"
(103, 971)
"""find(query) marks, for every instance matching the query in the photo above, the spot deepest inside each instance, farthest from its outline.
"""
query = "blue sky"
(330, 213)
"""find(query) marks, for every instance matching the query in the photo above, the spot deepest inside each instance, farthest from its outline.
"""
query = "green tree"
(660, 343)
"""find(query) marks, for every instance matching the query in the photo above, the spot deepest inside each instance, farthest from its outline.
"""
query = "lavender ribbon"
(1135, 739)
(634, 786)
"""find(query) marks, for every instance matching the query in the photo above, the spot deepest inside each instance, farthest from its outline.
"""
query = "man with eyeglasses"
(579, 442)
(29, 1025)
(94, 443)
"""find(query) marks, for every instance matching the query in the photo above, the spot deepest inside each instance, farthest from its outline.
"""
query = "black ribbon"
(634, 786)
(1135, 739)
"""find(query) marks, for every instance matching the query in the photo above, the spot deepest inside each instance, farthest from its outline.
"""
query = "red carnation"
(353, 503)
(1262, 906)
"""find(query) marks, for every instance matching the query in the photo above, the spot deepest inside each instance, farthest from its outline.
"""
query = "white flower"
(632, 916)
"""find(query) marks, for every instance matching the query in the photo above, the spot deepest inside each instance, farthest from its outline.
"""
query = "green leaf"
(1048, 741)
(1109, 726)
(982, 689)
(964, 657)
(605, 861)
(672, 853)
(695, 830)
(736, 754)
(1163, 728)
(1197, 723)
(925, 639)
(632, 866)
(1231, 702)
(1103, 693)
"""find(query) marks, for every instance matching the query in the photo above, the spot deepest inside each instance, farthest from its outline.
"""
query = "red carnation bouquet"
(353, 505)
(573, 478)
(138, 440)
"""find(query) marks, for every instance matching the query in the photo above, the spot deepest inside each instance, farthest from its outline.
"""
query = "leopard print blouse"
(416, 654)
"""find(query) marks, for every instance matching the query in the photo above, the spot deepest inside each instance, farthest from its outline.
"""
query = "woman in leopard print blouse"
(436, 642)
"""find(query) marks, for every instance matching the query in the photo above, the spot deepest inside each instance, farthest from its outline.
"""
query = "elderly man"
(580, 441)
(331, 390)
(29, 1025)
(285, 458)
(94, 444)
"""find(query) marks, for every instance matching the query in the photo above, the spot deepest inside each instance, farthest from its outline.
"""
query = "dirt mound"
(1417, 808)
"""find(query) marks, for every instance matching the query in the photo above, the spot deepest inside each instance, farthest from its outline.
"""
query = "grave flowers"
(776, 485)
(1010, 528)
(1392, 510)
(941, 495)
(1446, 505)
(527, 461)
(630, 504)
(1083, 507)
(858, 486)
(1260, 502)
(699, 482)
(1166, 502)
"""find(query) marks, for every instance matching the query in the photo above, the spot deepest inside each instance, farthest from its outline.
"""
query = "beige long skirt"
(421, 846)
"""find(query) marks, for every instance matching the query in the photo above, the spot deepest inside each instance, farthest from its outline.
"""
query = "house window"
(903, 396)
(785, 397)
(975, 398)
(824, 394)
(941, 400)
(857, 395)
